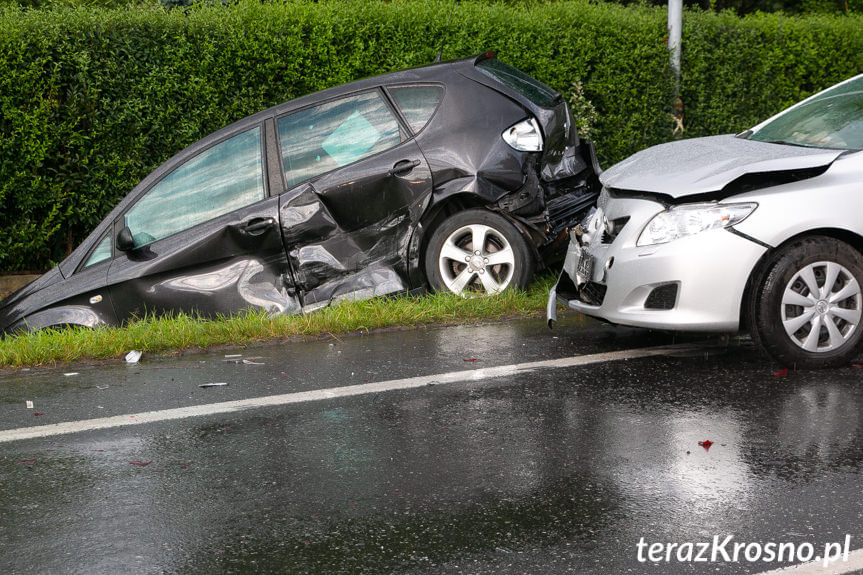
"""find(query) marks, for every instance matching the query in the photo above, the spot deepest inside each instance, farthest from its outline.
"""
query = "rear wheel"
(478, 252)
(808, 308)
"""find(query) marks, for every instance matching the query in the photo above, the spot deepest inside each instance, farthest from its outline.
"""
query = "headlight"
(682, 221)
(524, 136)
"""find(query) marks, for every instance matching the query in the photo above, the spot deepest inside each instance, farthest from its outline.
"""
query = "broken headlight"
(681, 221)
(524, 136)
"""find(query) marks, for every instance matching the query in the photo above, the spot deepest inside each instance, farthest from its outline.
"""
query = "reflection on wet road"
(554, 471)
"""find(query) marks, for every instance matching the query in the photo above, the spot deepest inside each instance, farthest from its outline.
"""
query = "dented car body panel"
(712, 167)
(330, 196)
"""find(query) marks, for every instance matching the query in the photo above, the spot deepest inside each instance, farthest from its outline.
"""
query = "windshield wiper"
(787, 143)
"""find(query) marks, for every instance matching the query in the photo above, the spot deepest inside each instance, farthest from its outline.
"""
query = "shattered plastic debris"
(781, 373)
(471, 359)
(434, 383)
(857, 364)
(29, 404)
(218, 384)
(140, 463)
(37, 414)
(705, 444)
(27, 462)
(134, 356)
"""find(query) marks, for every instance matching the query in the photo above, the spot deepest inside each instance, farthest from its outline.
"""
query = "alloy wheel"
(476, 259)
(821, 307)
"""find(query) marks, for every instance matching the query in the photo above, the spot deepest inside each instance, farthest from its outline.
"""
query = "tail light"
(524, 136)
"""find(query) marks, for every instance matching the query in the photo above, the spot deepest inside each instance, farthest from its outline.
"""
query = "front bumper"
(695, 283)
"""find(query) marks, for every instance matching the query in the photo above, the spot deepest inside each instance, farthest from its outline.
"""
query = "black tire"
(451, 259)
(798, 327)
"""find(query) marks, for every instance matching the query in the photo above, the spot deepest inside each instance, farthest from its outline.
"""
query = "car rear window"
(529, 87)
(417, 103)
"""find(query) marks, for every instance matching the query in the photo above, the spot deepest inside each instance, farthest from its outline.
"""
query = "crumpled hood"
(705, 165)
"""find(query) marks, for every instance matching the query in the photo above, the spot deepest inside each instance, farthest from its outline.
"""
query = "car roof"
(426, 73)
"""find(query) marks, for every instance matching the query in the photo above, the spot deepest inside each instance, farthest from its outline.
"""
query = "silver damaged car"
(760, 231)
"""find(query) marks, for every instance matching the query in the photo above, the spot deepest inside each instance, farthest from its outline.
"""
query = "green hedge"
(741, 71)
(91, 99)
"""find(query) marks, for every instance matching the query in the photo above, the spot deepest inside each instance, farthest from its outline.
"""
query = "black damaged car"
(461, 176)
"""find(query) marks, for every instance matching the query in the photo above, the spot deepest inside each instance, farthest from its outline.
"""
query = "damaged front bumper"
(690, 284)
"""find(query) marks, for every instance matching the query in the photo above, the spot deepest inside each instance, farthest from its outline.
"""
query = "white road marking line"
(854, 563)
(330, 393)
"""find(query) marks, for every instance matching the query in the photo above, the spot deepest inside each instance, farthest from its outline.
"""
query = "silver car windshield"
(833, 119)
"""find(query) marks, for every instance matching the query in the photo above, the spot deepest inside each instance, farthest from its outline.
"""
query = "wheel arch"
(59, 317)
(447, 207)
(763, 265)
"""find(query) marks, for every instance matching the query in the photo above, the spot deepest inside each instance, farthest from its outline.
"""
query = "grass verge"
(181, 331)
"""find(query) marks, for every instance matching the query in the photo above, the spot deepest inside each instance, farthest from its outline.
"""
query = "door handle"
(404, 167)
(258, 226)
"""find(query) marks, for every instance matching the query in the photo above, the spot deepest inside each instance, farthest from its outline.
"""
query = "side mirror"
(125, 241)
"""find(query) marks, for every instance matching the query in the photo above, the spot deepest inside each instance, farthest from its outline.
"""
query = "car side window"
(417, 103)
(219, 180)
(100, 254)
(321, 138)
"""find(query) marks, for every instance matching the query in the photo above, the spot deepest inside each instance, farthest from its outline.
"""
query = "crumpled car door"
(358, 187)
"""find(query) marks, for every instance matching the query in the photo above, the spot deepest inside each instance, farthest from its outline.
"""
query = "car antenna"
(445, 33)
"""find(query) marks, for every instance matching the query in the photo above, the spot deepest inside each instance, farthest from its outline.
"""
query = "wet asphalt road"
(552, 471)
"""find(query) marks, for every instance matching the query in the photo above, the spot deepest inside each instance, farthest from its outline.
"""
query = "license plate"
(585, 266)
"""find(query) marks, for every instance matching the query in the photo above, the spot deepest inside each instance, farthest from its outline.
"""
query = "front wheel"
(478, 252)
(808, 308)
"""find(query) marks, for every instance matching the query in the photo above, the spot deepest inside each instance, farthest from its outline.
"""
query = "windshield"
(832, 119)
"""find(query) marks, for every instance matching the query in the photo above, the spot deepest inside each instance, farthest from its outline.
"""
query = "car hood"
(708, 165)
